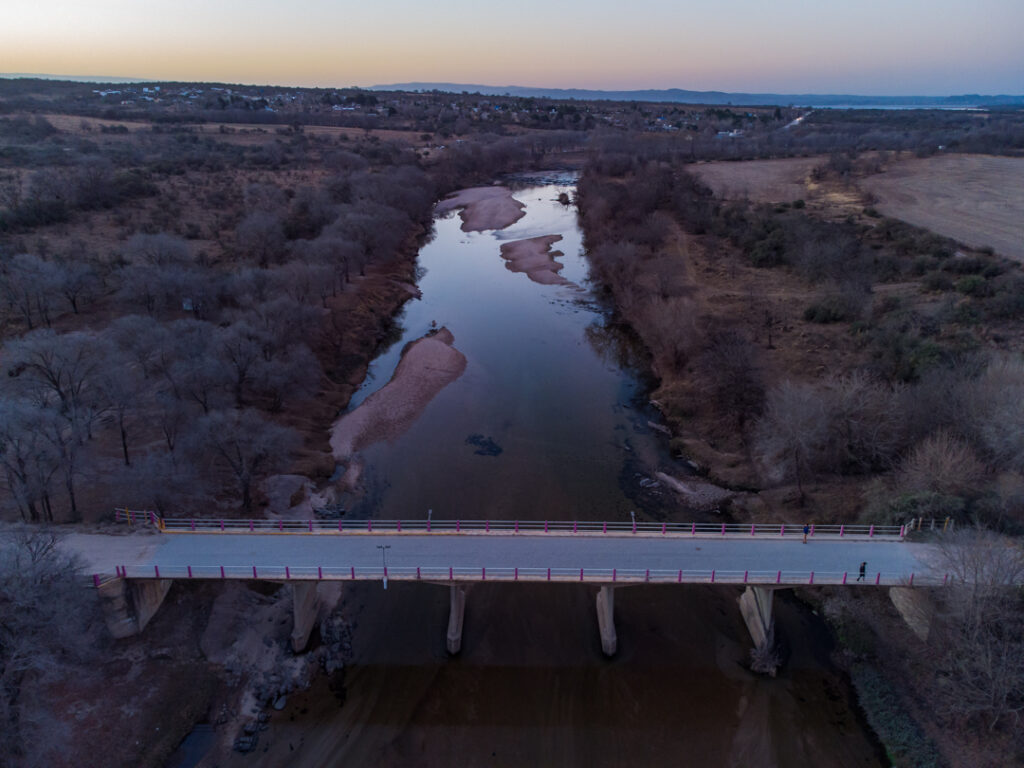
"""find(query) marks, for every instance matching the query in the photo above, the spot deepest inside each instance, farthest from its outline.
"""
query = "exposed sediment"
(535, 258)
(483, 208)
(427, 366)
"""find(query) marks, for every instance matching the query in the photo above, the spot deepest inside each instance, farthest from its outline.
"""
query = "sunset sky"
(878, 47)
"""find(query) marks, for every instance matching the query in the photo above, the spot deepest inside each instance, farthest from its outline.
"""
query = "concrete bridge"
(133, 572)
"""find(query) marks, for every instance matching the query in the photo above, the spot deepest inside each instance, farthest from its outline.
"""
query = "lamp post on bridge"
(384, 559)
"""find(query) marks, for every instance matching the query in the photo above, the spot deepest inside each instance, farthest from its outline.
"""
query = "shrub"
(936, 281)
(965, 265)
(831, 309)
(942, 463)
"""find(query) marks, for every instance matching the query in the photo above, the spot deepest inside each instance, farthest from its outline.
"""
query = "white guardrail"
(503, 527)
(453, 574)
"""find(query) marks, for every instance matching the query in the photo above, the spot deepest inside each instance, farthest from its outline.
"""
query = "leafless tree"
(942, 463)
(28, 459)
(260, 236)
(982, 627)
(48, 621)
(792, 433)
(244, 446)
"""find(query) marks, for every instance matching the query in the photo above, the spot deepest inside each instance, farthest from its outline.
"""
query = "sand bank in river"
(427, 366)
(483, 208)
(535, 257)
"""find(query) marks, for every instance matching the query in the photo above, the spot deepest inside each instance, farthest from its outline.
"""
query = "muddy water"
(544, 384)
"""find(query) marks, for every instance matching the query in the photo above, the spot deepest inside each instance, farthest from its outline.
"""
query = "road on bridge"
(499, 555)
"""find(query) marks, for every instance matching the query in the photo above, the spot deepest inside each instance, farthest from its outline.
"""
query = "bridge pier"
(606, 619)
(129, 604)
(756, 609)
(456, 612)
(305, 608)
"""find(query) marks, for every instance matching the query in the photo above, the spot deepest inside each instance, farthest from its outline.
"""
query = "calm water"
(544, 384)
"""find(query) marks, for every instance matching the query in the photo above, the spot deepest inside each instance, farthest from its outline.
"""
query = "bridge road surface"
(495, 556)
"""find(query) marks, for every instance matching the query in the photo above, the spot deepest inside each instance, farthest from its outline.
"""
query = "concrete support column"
(606, 619)
(128, 605)
(756, 607)
(306, 608)
(456, 612)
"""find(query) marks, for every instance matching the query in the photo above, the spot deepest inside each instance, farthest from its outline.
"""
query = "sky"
(876, 47)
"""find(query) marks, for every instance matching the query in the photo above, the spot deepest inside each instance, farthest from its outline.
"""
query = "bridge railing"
(502, 527)
(784, 577)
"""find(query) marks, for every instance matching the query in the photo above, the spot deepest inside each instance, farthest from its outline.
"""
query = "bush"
(944, 464)
(936, 281)
(905, 743)
(831, 309)
(965, 265)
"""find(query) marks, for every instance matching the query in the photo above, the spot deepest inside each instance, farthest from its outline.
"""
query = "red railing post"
(647, 575)
(280, 526)
(458, 526)
(451, 573)
(549, 574)
(417, 573)
(189, 571)
(254, 572)
(902, 532)
(712, 575)
(287, 572)
(428, 525)
(871, 533)
(487, 526)
(399, 524)
(250, 526)
(222, 525)
(878, 579)
(604, 527)
(339, 526)
(320, 573)
(310, 525)
(945, 579)
(483, 574)
(782, 530)
(634, 525)
(723, 529)
(614, 575)
(369, 526)
(753, 527)
(778, 577)
(545, 526)
(844, 577)
(515, 576)
(517, 526)
(96, 580)
(222, 575)
(911, 578)
(581, 574)
(693, 529)
(574, 526)
(811, 581)
(812, 529)
(745, 574)
(679, 579)
(156, 570)
(353, 572)
(193, 522)
(385, 571)
(664, 528)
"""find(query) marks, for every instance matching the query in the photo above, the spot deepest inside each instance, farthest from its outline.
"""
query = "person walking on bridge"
(807, 529)
(863, 568)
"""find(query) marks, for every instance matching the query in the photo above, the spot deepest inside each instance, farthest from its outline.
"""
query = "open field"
(976, 199)
(768, 181)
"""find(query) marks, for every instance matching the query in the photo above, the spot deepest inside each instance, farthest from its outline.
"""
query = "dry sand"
(483, 208)
(535, 257)
(697, 493)
(976, 199)
(427, 366)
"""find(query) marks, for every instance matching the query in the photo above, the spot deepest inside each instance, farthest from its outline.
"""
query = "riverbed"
(548, 420)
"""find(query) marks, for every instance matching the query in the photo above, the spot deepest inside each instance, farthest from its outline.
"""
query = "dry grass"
(976, 199)
(765, 181)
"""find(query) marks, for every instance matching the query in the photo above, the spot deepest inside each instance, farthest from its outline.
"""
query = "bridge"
(133, 572)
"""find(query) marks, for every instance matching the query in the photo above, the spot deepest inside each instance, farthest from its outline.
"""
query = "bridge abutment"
(305, 609)
(129, 604)
(456, 612)
(916, 608)
(606, 619)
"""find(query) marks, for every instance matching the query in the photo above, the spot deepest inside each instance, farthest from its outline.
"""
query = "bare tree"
(982, 625)
(942, 463)
(793, 432)
(260, 236)
(28, 458)
(243, 445)
(48, 621)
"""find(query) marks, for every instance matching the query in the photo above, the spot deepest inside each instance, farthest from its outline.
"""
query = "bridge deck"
(481, 556)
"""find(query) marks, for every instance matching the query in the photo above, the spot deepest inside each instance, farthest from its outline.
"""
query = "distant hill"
(72, 78)
(718, 97)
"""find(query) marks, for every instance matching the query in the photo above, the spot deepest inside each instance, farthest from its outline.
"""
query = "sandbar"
(427, 366)
(535, 258)
(483, 208)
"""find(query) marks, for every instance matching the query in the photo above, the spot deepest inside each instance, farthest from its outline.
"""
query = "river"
(549, 420)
